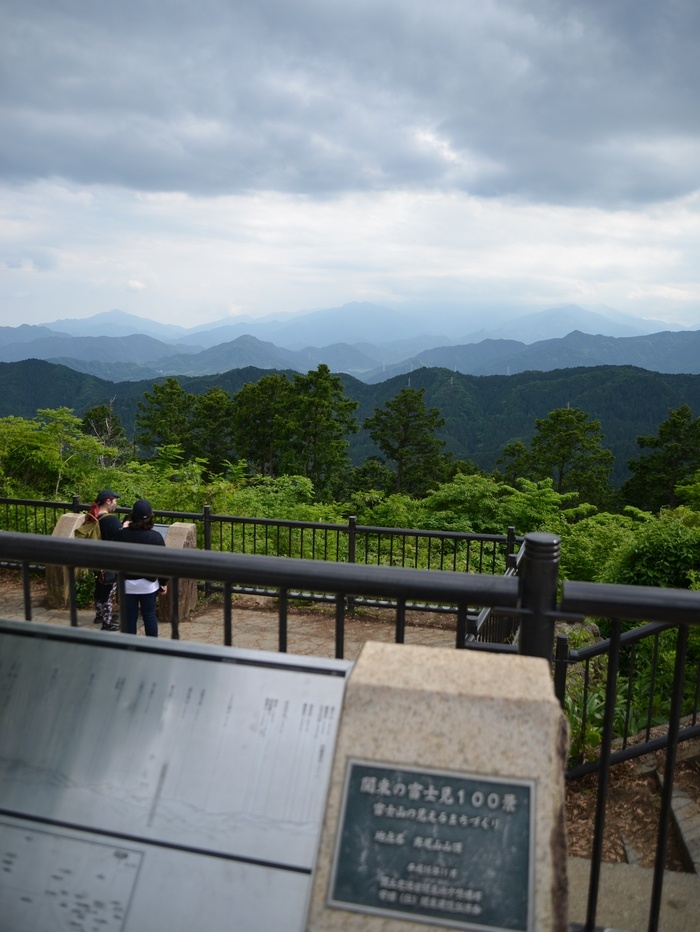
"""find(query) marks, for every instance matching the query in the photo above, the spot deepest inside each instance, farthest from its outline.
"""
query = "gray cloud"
(587, 102)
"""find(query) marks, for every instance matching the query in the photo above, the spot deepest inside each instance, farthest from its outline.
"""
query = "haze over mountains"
(369, 342)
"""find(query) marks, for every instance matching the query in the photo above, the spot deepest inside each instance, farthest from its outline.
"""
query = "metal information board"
(158, 784)
(449, 849)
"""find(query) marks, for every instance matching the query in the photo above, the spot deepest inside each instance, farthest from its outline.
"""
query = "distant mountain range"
(358, 339)
(481, 413)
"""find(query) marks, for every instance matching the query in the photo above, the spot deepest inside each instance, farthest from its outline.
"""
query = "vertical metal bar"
(628, 697)
(352, 538)
(26, 590)
(461, 633)
(228, 624)
(401, 621)
(584, 707)
(667, 792)
(174, 586)
(339, 625)
(206, 518)
(603, 775)
(510, 544)
(352, 552)
(561, 662)
(72, 597)
(283, 620)
(652, 687)
(538, 594)
(121, 589)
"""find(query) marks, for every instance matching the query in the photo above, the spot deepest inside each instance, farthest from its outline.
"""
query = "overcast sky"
(189, 161)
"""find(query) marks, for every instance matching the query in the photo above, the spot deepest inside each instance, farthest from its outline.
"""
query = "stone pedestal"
(179, 536)
(57, 576)
(446, 802)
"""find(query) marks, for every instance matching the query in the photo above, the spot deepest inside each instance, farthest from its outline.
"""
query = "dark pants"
(147, 601)
(104, 602)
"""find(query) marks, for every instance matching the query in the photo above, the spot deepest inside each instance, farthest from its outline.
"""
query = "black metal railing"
(528, 598)
(340, 583)
(668, 610)
(450, 551)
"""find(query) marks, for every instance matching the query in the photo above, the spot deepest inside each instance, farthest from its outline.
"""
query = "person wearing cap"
(103, 509)
(142, 591)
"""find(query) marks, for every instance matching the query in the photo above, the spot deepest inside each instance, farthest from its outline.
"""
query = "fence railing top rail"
(636, 603)
(285, 572)
(206, 514)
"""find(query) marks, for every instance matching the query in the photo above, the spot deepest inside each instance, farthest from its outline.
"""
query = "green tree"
(673, 459)
(318, 422)
(590, 544)
(515, 462)
(212, 429)
(663, 552)
(164, 417)
(260, 428)
(404, 430)
(466, 503)
(104, 424)
(568, 448)
(48, 455)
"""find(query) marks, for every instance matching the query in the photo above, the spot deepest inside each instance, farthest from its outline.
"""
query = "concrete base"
(450, 713)
(179, 536)
(57, 576)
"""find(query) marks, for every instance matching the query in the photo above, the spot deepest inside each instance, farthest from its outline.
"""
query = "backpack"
(89, 529)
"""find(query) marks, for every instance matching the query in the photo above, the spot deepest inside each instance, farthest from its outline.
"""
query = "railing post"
(539, 574)
(561, 660)
(206, 520)
(352, 552)
(510, 544)
(352, 538)
(75, 507)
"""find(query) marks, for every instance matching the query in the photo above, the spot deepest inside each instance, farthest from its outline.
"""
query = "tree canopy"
(568, 448)
(405, 431)
(672, 460)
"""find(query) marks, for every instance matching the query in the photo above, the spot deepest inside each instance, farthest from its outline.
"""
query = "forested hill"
(482, 413)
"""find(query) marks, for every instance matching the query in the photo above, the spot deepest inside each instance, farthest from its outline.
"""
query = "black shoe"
(110, 627)
(96, 620)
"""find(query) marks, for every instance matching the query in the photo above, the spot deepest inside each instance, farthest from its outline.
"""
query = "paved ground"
(625, 890)
(311, 630)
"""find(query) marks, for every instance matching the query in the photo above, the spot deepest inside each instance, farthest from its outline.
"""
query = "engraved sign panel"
(159, 784)
(445, 848)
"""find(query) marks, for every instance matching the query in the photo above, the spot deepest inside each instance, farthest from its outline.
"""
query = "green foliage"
(470, 503)
(318, 423)
(386, 511)
(165, 416)
(662, 553)
(259, 422)
(588, 545)
(568, 448)
(47, 456)
(84, 588)
(102, 423)
(536, 506)
(405, 431)
(211, 433)
(673, 460)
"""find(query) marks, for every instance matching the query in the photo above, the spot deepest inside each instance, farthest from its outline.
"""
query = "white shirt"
(140, 586)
